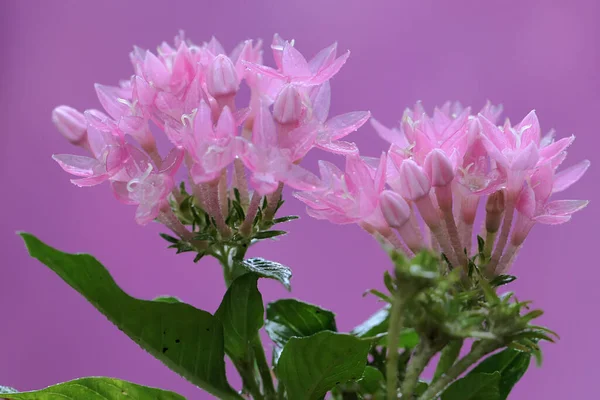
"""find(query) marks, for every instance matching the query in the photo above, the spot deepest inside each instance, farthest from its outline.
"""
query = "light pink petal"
(542, 182)
(110, 101)
(457, 123)
(552, 219)
(341, 125)
(121, 192)
(132, 125)
(293, 62)
(143, 92)
(91, 181)
(226, 124)
(526, 201)
(569, 176)
(530, 129)
(338, 147)
(389, 135)
(553, 150)
(200, 175)
(564, 207)
(320, 98)
(526, 159)
(155, 72)
(146, 213)
(264, 133)
(328, 72)
(329, 171)
(300, 140)
(381, 174)
(301, 179)
(494, 152)
(277, 45)
(264, 70)
(215, 47)
(203, 124)
(311, 199)
(78, 165)
(323, 58)
(172, 162)
(493, 133)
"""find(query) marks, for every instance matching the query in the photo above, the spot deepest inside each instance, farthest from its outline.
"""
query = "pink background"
(525, 54)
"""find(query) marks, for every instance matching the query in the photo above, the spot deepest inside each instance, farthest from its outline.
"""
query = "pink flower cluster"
(190, 93)
(439, 168)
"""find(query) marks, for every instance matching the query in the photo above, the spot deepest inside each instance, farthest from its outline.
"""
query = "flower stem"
(263, 368)
(422, 355)
(393, 339)
(478, 351)
(503, 239)
(246, 227)
(272, 203)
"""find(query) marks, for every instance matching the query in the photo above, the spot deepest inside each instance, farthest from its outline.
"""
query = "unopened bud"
(439, 168)
(414, 183)
(71, 124)
(287, 108)
(494, 209)
(222, 79)
(395, 209)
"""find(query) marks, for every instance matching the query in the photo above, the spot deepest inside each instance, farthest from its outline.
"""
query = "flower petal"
(569, 176)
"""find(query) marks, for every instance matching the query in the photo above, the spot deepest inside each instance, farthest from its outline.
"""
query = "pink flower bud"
(494, 209)
(414, 183)
(222, 79)
(71, 124)
(395, 209)
(287, 108)
(439, 168)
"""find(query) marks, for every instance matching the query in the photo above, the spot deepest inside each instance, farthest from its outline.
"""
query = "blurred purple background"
(535, 54)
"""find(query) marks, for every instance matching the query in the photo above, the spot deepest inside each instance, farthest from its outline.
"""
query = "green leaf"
(268, 234)
(241, 312)
(95, 389)
(375, 324)
(449, 355)
(289, 318)
(474, 387)
(269, 269)
(371, 381)
(168, 299)
(186, 339)
(311, 366)
(511, 364)
(501, 280)
(409, 339)
(6, 389)
(285, 219)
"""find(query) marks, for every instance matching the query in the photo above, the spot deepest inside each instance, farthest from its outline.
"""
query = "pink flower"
(71, 124)
(141, 183)
(271, 163)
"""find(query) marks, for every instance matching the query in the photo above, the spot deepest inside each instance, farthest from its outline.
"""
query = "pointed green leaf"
(474, 387)
(269, 269)
(311, 366)
(375, 324)
(372, 381)
(168, 299)
(449, 355)
(511, 364)
(241, 312)
(289, 318)
(186, 339)
(268, 234)
(94, 389)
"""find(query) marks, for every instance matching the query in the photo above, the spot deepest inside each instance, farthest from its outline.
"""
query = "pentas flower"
(189, 92)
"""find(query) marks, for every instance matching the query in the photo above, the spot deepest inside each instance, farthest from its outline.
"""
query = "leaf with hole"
(186, 339)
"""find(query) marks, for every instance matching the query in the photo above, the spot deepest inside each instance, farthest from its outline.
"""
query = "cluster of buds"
(439, 167)
(190, 93)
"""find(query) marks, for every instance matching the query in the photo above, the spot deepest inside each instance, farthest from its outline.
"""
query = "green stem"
(422, 355)
(246, 371)
(393, 340)
(479, 350)
(263, 368)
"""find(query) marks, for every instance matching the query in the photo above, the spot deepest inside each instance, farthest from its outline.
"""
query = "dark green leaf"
(285, 219)
(449, 355)
(511, 364)
(269, 269)
(95, 389)
(421, 388)
(501, 280)
(311, 366)
(371, 381)
(474, 387)
(379, 294)
(289, 318)
(409, 339)
(375, 324)
(268, 234)
(187, 340)
(241, 312)
(169, 238)
(480, 244)
(168, 299)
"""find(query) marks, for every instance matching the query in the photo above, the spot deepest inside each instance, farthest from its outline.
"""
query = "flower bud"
(71, 124)
(222, 79)
(414, 183)
(395, 209)
(494, 209)
(439, 168)
(287, 108)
